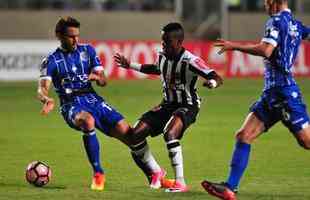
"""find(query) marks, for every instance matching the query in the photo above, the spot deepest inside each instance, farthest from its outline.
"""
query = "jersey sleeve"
(272, 32)
(157, 61)
(94, 59)
(199, 66)
(48, 68)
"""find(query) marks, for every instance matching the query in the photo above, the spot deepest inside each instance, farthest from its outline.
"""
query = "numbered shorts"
(158, 117)
(282, 104)
(105, 116)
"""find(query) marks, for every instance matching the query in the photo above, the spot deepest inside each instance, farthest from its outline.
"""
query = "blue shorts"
(105, 116)
(285, 104)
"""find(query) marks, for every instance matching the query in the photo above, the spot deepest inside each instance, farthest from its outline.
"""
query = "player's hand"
(99, 77)
(121, 60)
(214, 81)
(48, 106)
(93, 77)
(224, 45)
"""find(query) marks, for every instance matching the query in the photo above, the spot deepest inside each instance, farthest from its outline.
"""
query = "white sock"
(146, 156)
(176, 158)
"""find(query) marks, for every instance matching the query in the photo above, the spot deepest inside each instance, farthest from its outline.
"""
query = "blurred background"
(27, 32)
(203, 19)
(132, 28)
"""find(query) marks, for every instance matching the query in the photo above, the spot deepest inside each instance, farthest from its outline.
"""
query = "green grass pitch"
(278, 169)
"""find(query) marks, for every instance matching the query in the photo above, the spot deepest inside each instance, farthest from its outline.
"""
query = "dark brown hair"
(65, 22)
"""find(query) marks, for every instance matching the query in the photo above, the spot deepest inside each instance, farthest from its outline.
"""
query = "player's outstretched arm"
(122, 61)
(48, 103)
(263, 49)
(99, 77)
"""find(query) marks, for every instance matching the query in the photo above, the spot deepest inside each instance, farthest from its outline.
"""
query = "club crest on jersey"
(74, 68)
(293, 30)
(294, 94)
(84, 56)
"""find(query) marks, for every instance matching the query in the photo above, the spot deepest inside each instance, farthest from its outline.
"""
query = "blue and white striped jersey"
(69, 70)
(286, 34)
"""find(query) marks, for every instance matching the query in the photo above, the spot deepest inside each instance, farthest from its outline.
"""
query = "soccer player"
(179, 70)
(281, 99)
(72, 68)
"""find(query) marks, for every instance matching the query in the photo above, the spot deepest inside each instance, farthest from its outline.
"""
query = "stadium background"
(278, 168)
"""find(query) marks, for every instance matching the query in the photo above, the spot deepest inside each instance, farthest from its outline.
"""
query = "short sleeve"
(199, 67)
(48, 68)
(158, 60)
(272, 32)
(94, 59)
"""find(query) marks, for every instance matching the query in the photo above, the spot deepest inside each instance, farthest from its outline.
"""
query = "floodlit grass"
(278, 168)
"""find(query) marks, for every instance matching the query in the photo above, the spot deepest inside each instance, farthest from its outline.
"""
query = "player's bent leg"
(303, 137)
(135, 139)
(251, 128)
(143, 156)
(141, 130)
(172, 133)
(86, 123)
(249, 131)
(122, 131)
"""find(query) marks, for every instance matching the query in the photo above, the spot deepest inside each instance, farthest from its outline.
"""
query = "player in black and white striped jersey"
(179, 71)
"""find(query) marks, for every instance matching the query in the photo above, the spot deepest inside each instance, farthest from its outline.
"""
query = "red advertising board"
(231, 64)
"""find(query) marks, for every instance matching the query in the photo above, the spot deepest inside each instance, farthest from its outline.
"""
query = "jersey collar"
(282, 11)
(180, 54)
(65, 50)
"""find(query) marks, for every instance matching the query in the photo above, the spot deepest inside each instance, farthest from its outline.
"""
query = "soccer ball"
(38, 173)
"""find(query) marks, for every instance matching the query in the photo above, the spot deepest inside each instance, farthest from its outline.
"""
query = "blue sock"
(91, 145)
(238, 164)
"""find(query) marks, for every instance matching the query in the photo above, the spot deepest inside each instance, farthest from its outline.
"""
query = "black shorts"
(158, 117)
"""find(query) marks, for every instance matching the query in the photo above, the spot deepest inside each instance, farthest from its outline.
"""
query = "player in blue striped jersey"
(72, 68)
(281, 99)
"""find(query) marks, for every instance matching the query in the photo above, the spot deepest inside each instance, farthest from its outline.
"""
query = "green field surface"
(278, 168)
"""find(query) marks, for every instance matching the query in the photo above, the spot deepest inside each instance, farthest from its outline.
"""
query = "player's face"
(70, 39)
(170, 44)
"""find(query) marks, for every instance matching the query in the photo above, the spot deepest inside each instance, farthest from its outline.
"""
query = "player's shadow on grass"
(55, 187)
(161, 194)
(19, 185)
(265, 196)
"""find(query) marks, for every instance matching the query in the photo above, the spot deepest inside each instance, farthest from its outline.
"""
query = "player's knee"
(171, 134)
(89, 123)
(173, 129)
(86, 122)
(139, 132)
(122, 128)
(303, 138)
(244, 135)
(305, 144)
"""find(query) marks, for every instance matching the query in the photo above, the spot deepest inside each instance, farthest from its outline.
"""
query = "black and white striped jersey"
(179, 77)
